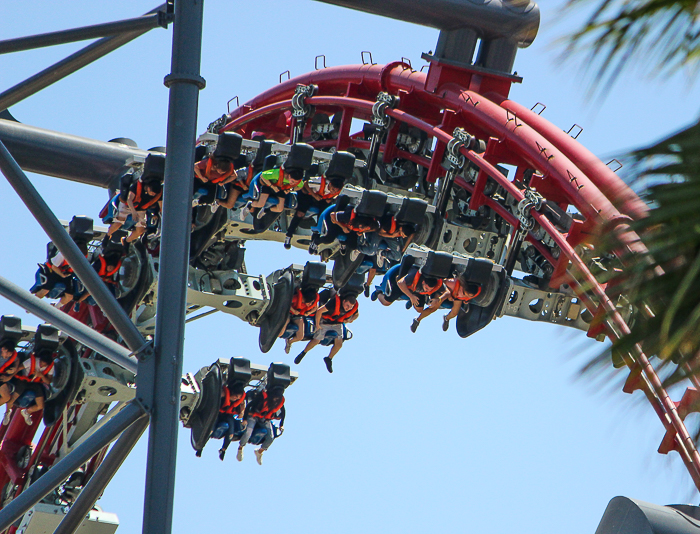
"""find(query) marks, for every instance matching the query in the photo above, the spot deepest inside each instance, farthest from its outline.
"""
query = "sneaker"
(298, 359)
(329, 364)
(343, 248)
(8, 417)
(313, 248)
(366, 290)
(239, 454)
(198, 454)
(288, 242)
(214, 206)
(258, 455)
(260, 214)
(414, 325)
(375, 295)
(245, 211)
(222, 453)
(379, 259)
(445, 323)
(288, 346)
(354, 254)
(27, 417)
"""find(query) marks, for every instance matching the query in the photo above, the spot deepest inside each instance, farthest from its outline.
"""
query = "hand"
(244, 424)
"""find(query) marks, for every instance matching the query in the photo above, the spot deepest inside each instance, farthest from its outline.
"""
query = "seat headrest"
(437, 264)
(372, 203)
(412, 211)
(228, 146)
(314, 274)
(153, 168)
(300, 157)
(342, 165)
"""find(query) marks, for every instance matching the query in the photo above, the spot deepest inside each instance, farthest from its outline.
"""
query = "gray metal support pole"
(72, 461)
(166, 368)
(53, 228)
(96, 485)
(87, 336)
(67, 66)
(146, 22)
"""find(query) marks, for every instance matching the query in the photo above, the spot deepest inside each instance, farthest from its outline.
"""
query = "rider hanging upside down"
(34, 377)
(140, 197)
(317, 193)
(9, 365)
(420, 290)
(304, 304)
(231, 411)
(330, 318)
(261, 410)
(276, 183)
(459, 292)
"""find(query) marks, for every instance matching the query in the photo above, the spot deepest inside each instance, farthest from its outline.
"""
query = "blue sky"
(413, 432)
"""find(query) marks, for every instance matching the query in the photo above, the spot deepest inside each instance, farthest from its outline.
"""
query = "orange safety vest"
(9, 362)
(220, 178)
(137, 198)
(104, 273)
(299, 304)
(393, 227)
(325, 196)
(414, 285)
(336, 316)
(65, 268)
(456, 289)
(229, 407)
(267, 412)
(32, 370)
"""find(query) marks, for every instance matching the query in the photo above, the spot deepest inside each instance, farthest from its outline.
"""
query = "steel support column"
(145, 22)
(67, 66)
(72, 461)
(166, 368)
(54, 229)
(87, 336)
(96, 485)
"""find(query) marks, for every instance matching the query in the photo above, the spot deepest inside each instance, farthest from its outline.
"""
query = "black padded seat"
(228, 146)
(153, 168)
(239, 371)
(478, 270)
(372, 204)
(46, 337)
(342, 165)
(278, 375)
(412, 211)
(437, 264)
(314, 274)
(10, 327)
(264, 150)
(300, 157)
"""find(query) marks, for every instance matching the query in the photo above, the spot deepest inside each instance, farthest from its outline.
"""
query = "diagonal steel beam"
(67, 66)
(87, 336)
(98, 482)
(66, 466)
(145, 22)
(54, 229)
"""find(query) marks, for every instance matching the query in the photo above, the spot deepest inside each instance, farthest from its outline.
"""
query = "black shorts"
(20, 386)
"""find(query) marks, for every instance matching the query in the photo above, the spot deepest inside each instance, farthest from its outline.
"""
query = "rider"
(420, 290)
(330, 317)
(140, 197)
(278, 183)
(34, 375)
(459, 291)
(261, 410)
(318, 193)
(304, 304)
(56, 271)
(231, 410)
(9, 365)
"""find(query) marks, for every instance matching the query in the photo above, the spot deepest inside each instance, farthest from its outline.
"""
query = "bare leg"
(231, 200)
(337, 345)
(136, 233)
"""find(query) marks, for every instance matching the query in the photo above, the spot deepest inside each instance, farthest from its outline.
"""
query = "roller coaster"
(495, 198)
